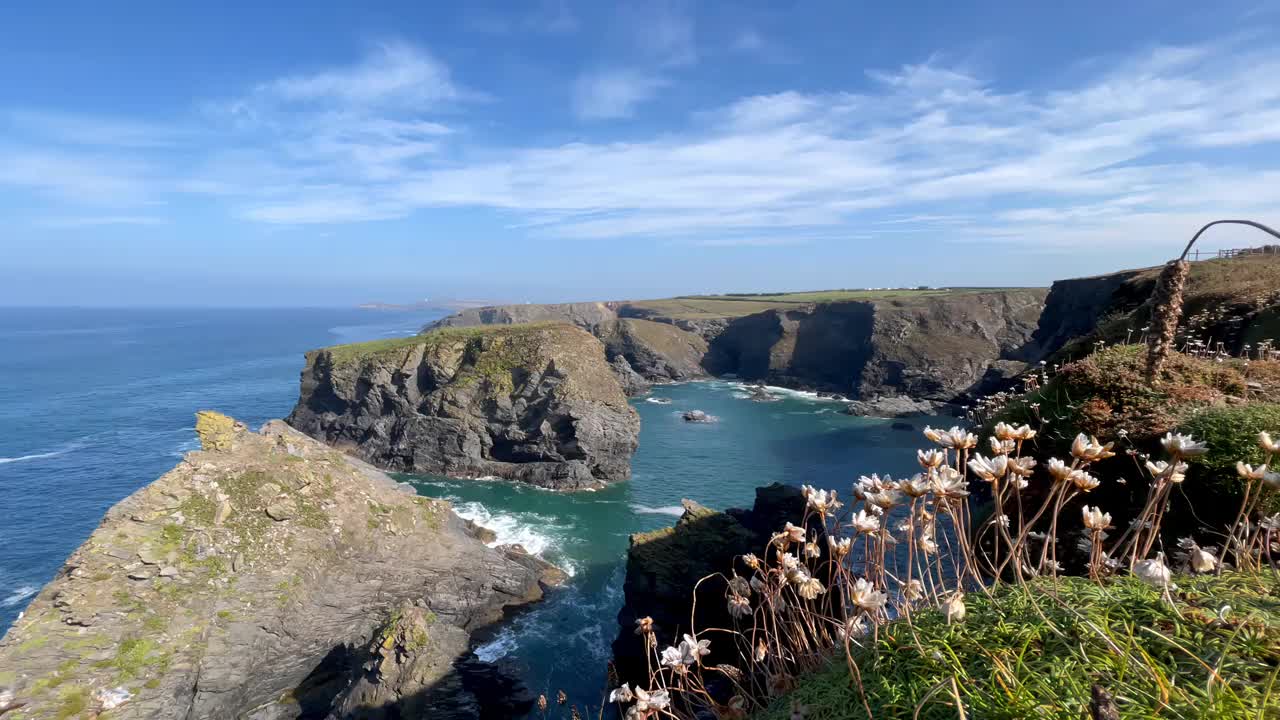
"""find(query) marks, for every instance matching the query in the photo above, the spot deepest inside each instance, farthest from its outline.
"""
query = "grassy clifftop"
(1213, 652)
(353, 353)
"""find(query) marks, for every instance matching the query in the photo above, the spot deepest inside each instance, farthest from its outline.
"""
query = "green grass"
(705, 307)
(351, 353)
(1031, 655)
(1232, 434)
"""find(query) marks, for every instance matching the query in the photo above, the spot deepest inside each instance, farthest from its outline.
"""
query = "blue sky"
(325, 154)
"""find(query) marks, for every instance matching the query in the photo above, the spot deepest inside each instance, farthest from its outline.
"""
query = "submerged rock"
(166, 613)
(892, 406)
(534, 403)
(698, 416)
(760, 393)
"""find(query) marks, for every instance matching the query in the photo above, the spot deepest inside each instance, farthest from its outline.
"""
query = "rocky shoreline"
(264, 577)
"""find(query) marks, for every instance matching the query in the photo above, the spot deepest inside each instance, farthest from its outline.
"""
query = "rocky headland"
(538, 403)
(266, 576)
(931, 348)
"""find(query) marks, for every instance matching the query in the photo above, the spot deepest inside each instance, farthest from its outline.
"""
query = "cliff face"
(534, 403)
(663, 567)
(248, 582)
(931, 346)
(1233, 301)
(934, 347)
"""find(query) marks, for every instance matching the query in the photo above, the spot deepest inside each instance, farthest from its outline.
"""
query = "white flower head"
(864, 523)
(953, 608)
(1087, 448)
(1083, 481)
(793, 533)
(930, 458)
(1161, 470)
(839, 548)
(854, 628)
(647, 700)
(1249, 472)
(811, 589)
(1181, 446)
(1267, 444)
(739, 606)
(1201, 561)
(865, 596)
(1153, 572)
(913, 590)
(622, 694)
(1059, 470)
(1095, 519)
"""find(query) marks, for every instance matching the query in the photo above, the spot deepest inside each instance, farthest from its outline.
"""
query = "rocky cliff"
(1234, 301)
(250, 582)
(934, 346)
(535, 403)
(663, 567)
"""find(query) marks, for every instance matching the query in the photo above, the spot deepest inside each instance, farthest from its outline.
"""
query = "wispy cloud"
(67, 223)
(1146, 146)
(611, 94)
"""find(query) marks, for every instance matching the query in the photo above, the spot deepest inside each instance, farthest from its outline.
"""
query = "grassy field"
(701, 307)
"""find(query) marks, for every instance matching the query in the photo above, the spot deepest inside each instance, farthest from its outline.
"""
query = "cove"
(564, 642)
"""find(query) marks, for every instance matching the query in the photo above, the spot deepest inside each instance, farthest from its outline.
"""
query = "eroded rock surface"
(534, 403)
(247, 582)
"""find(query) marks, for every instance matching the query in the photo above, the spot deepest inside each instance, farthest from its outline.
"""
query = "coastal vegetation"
(985, 587)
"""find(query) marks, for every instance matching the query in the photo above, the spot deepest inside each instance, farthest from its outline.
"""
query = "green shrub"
(1232, 434)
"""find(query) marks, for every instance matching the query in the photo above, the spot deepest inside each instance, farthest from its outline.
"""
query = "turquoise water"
(564, 642)
(94, 404)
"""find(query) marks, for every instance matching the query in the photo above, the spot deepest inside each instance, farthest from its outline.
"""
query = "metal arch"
(1250, 223)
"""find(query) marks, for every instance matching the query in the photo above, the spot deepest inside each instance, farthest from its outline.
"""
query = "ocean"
(94, 404)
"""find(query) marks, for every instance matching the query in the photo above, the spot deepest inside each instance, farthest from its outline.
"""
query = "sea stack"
(535, 403)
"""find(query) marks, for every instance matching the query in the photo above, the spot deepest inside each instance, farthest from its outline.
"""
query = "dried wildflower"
(949, 483)
(913, 590)
(1167, 303)
(865, 596)
(930, 458)
(811, 550)
(1267, 444)
(1180, 446)
(739, 606)
(953, 608)
(927, 544)
(1083, 481)
(738, 585)
(1201, 561)
(561, 698)
(1095, 519)
(962, 439)
(1153, 572)
(886, 499)
(647, 700)
(854, 628)
(1059, 470)
(1022, 467)
(917, 486)
(934, 436)
(788, 561)
(839, 548)
(1249, 472)
(542, 703)
(822, 502)
(1088, 448)
(864, 523)
(644, 626)
(811, 589)
(622, 694)
(989, 469)
(793, 533)
(1001, 447)
(761, 651)
(1175, 473)
(1003, 431)
(694, 647)
(752, 561)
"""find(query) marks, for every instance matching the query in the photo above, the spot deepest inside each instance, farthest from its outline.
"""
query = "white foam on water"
(673, 510)
(499, 647)
(69, 447)
(18, 595)
(508, 528)
(658, 400)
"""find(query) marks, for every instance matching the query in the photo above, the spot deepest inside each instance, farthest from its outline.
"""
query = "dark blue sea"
(97, 403)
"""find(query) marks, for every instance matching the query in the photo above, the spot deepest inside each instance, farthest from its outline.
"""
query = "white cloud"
(394, 74)
(1126, 157)
(616, 93)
